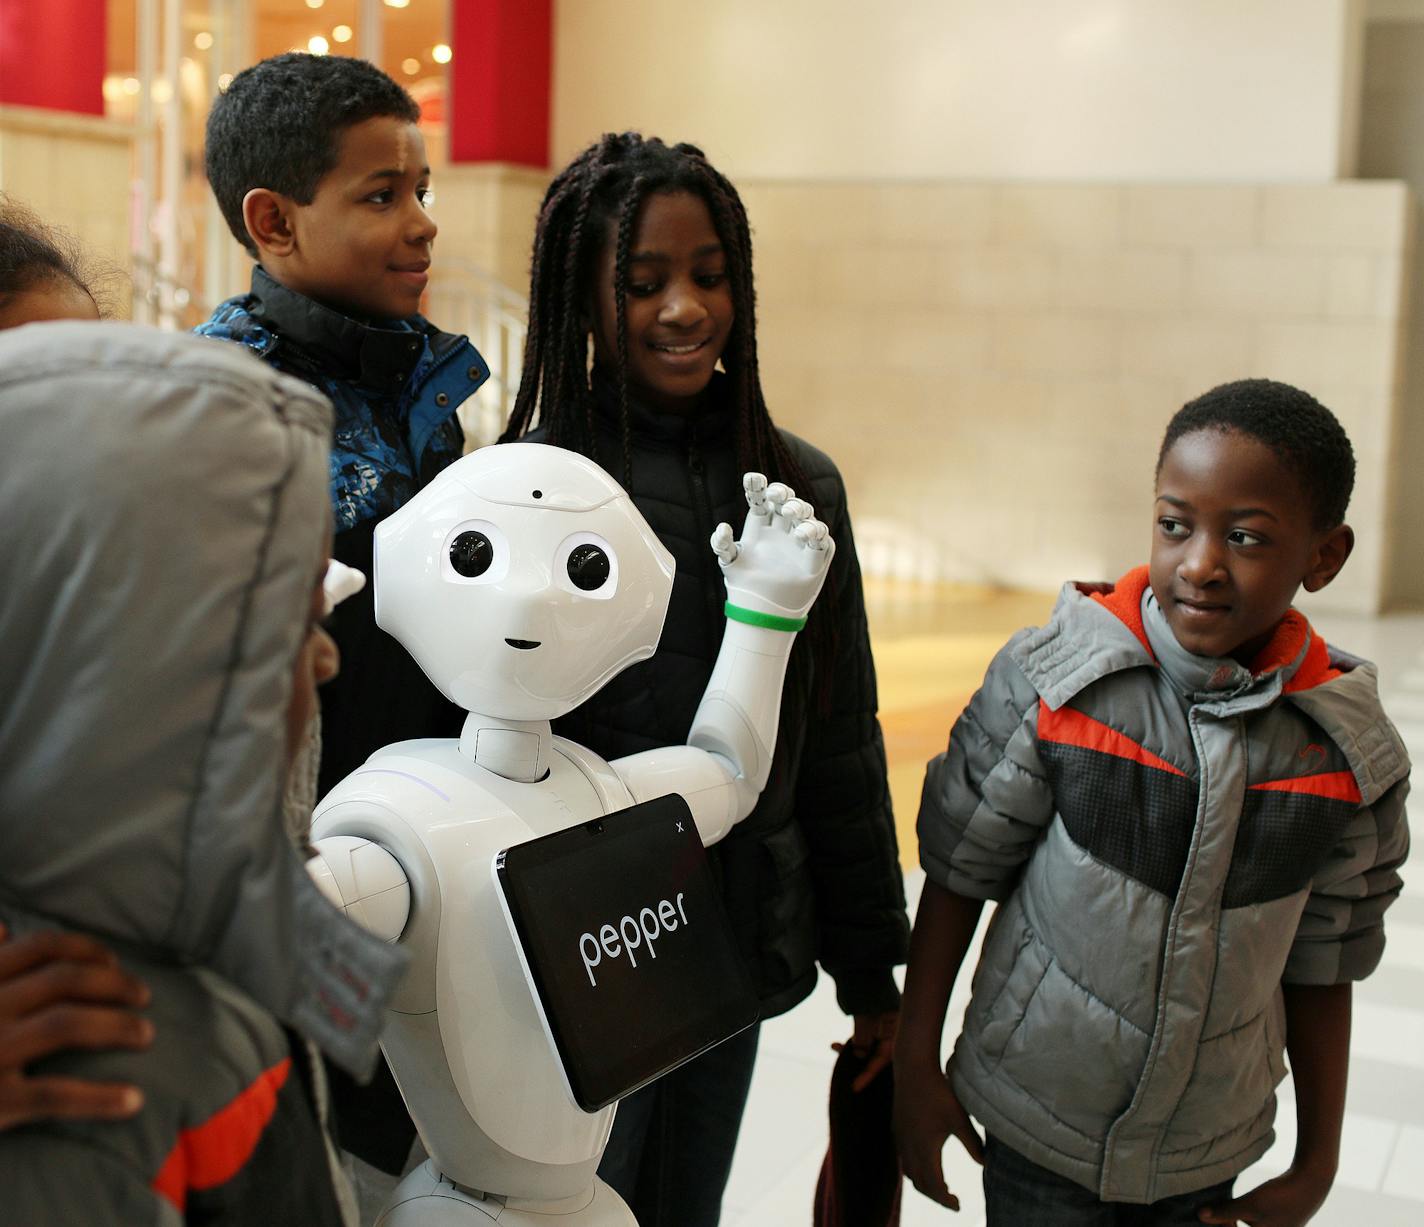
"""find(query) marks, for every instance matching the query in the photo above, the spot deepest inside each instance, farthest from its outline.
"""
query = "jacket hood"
(1098, 629)
(166, 511)
(1294, 649)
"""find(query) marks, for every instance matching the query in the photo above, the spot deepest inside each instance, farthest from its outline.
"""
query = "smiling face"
(1233, 542)
(678, 311)
(363, 244)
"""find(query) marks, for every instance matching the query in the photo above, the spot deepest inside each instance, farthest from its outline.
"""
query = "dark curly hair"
(33, 253)
(1306, 436)
(279, 123)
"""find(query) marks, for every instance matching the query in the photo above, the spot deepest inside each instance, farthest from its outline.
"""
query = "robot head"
(521, 579)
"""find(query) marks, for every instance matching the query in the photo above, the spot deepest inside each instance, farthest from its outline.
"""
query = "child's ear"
(1331, 551)
(265, 213)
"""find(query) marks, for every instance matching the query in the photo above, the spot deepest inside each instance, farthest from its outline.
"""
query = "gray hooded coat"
(165, 512)
(1171, 839)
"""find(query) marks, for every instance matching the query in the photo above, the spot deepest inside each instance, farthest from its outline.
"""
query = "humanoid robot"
(522, 579)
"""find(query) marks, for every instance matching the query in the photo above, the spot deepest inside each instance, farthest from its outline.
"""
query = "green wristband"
(772, 622)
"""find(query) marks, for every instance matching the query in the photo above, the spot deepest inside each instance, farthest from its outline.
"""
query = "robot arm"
(364, 881)
(773, 576)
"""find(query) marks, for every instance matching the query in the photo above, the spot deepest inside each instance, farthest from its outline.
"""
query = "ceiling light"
(441, 53)
(342, 34)
(202, 40)
(318, 45)
(410, 66)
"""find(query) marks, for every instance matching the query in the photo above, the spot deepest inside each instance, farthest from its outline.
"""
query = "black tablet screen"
(628, 946)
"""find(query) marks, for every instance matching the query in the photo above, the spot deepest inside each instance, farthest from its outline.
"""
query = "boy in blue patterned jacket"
(320, 171)
(1191, 813)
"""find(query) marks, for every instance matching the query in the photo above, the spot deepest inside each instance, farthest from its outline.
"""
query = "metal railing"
(466, 299)
(163, 299)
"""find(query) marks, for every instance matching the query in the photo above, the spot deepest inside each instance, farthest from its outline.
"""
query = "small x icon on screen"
(679, 827)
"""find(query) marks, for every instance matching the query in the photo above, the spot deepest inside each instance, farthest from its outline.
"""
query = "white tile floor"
(1381, 1180)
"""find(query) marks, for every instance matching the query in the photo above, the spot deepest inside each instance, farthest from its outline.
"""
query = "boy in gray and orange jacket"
(1191, 814)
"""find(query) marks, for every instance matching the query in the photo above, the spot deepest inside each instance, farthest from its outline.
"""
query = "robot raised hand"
(780, 563)
(522, 579)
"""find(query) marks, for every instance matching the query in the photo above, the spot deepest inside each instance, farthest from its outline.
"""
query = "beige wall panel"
(1076, 344)
(75, 172)
(1108, 90)
(1247, 281)
(1365, 287)
(934, 212)
(1008, 432)
(876, 276)
(1148, 280)
(1059, 215)
(1313, 353)
(487, 214)
(1335, 215)
(987, 278)
(1209, 214)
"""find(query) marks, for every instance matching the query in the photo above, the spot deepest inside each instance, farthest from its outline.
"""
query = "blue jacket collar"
(381, 355)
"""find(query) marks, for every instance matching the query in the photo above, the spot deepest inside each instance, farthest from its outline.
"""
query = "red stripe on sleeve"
(212, 1153)
(1070, 727)
(1336, 785)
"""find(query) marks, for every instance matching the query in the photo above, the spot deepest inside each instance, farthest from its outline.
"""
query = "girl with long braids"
(641, 289)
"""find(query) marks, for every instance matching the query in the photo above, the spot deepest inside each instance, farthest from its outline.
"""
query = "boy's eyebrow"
(707, 249)
(393, 173)
(1234, 513)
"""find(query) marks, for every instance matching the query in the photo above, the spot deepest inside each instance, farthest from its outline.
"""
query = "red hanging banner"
(52, 54)
(500, 78)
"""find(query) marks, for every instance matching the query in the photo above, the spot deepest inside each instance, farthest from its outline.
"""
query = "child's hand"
(873, 1037)
(927, 1112)
(1287, 1201)
(60, 991)
(780, 563)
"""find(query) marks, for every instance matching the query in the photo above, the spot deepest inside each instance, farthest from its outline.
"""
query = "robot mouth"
(524, 645)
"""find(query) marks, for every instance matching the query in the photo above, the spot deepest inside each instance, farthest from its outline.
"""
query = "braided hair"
(602, 189)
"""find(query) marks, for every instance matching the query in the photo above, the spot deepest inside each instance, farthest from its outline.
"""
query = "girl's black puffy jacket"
(812, 875)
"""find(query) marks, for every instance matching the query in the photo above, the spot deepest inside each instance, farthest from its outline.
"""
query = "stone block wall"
(992, 365)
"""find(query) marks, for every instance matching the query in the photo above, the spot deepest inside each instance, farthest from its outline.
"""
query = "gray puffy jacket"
(165, 512)
(1171, 839)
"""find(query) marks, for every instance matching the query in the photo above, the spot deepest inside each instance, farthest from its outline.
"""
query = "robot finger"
(723, 544)
(776, 495)
(754, 484)
(796, 511)
(813, 534)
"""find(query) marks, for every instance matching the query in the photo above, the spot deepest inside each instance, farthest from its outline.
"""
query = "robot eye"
(589, 567)
(471, 554)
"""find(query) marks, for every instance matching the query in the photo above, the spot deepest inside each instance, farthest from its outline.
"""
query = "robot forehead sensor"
(539, 477)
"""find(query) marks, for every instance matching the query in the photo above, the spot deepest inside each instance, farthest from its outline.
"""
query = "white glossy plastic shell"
(521, 641)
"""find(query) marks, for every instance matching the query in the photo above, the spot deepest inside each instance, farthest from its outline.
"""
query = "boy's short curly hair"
(1298, 428)
(278, 125)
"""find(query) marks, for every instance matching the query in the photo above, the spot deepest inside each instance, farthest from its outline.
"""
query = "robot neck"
(515, 749)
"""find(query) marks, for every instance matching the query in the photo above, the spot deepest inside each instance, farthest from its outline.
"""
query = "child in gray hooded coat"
(167, 532)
